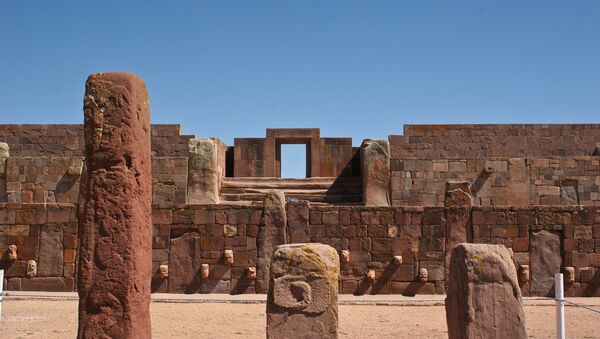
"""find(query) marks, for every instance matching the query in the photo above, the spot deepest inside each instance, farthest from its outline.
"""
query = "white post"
(1, 291)
(559, 296)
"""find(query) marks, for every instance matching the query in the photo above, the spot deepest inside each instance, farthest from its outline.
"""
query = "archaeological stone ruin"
(196, 215)
(483, 295)
(115, 208)
(303, 292)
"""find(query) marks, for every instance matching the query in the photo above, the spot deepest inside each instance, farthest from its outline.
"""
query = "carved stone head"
(205, 271)
(228, 255)
(251, 273)
(423, 274)
(163, 271)
(569, 274)
(524, 273)
(345, 257)
(371, 275)
(12, 252)
(31, 268)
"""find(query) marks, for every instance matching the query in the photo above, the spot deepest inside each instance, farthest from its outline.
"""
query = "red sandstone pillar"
(115, 225)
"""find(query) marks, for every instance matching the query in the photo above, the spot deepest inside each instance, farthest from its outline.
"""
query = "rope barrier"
(582, 306)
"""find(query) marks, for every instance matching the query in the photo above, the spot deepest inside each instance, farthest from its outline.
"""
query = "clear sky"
(352, 68)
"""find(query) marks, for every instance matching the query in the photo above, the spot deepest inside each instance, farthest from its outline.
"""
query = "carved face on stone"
(423, 275)
(302, 277)
(310, 295)
(228, 255)
(251, 273)
(345, 256)
(371, 275)
(31, 268)
(569, 274)
(524, 273)
(163, 271)
(12, 252)
(205, 271)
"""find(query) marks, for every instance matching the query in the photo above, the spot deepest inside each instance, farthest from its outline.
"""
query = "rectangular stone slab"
(483, 298)
(303, 293)
(115, 227)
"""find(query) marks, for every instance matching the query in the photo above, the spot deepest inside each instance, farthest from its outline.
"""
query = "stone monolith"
(271, 233)
(375, 170)
(483, 298)
(4, 154)
(115, 226)
(458, 201)
(204, 172)
(302, 299)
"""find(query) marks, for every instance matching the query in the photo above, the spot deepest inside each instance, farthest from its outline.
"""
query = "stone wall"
(495, 140)
(67, 140)
(568, 180)
(186, 238)
(45, 234)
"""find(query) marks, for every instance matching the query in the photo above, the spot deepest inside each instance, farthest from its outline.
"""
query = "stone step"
(338, 199)
(290, 185)
(288, 191)
(322, 189)
(290, 181)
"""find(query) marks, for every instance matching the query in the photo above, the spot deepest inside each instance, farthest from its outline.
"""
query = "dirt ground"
(58, 319)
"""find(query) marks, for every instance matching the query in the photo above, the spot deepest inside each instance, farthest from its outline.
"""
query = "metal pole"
(559, 296)
(1, 291)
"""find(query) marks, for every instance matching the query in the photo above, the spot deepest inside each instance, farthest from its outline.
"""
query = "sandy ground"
(35, 318)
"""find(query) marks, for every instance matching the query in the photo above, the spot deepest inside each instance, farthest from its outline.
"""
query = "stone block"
(375, 170)
(303, 292)
(484, 298)
(272, 233)
(204, 174)
(545, 261)
(51, 251)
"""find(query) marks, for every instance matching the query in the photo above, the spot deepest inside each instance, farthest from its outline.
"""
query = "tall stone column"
(303, 293)
(484, 298)
(458, 201)
(375, 172)
(204, 173)
(272, 233)
(115, 226)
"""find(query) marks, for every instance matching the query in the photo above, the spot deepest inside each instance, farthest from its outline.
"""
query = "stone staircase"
(332, 190)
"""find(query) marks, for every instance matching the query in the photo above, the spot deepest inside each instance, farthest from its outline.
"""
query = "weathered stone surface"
(458, 203)
(272, 232)
(297, 221)
(545, 261)
(31, 268)
(115, 227)
(51, 251)
(483, 299)
(4, 154)
(568, 195)
(375, 171)
(204, 174)
(302, 299)
(184, 263)
(12, 253)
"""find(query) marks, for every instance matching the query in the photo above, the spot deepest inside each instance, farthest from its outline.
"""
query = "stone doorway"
(294, 160)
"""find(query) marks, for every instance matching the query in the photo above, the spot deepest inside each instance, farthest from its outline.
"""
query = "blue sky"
(353, 68)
